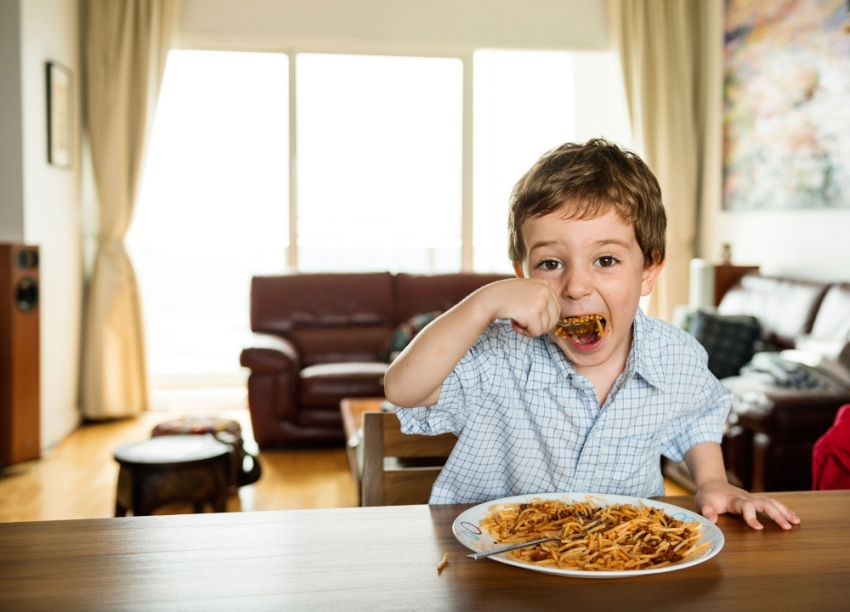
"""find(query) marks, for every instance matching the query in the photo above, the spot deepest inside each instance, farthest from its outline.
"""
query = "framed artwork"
(58, 115)
(786, 116)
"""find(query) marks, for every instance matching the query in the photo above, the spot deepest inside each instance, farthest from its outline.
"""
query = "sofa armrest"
(789, 414)
(273, 385)
(270, 355)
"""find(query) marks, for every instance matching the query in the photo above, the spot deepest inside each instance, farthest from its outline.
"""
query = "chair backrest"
(399, 469)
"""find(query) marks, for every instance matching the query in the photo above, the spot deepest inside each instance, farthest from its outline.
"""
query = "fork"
(496, 551)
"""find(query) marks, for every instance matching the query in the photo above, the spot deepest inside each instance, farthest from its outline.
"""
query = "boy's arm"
(716, 496)
(417, 374)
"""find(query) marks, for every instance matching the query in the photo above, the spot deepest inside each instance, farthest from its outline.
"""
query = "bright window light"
(212, 209)
(379, 163)
(523, 106)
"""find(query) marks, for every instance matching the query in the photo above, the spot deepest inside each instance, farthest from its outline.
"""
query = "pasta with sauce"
(592, 536)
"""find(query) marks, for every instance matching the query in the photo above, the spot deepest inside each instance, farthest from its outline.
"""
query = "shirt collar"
(550, 366)
(644, 365)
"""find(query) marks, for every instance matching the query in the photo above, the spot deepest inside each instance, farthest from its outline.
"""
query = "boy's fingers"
(709, 512)
(779, 513)
(748, 511)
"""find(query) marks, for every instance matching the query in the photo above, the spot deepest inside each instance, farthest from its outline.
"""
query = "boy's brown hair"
(586, 181)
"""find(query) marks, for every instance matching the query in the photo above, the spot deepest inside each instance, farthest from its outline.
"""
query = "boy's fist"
(530, 303)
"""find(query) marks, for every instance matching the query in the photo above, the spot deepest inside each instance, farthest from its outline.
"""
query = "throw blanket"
(831, 455)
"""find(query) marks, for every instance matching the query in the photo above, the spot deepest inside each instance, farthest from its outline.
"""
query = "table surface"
(386, 557)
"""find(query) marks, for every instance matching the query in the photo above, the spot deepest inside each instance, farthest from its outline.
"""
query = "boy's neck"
(604, 375)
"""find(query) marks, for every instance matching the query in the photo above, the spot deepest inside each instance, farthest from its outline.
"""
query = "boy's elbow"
(399, 394)
(391, 390)
(395, 396)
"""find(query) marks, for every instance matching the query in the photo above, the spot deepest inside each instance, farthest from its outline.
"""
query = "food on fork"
(581, 326)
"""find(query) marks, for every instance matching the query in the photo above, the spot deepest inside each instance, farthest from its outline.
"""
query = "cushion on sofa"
(833, 318)
(728, 340)
(339, 344)
(785, 308)
(404, 333)
(323, 385)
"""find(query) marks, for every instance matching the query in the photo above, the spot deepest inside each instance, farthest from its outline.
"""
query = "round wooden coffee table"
(168, 469)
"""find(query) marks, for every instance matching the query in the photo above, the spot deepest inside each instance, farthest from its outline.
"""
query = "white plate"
(467, 531)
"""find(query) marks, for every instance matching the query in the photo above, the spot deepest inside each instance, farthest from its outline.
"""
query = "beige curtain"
(125, 43)
(665, 47)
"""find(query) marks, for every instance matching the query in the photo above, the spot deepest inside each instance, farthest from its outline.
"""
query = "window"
(380, 158)
(379, 163)
(212, 209)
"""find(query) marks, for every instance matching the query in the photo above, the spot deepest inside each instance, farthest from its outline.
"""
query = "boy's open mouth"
(586, 329)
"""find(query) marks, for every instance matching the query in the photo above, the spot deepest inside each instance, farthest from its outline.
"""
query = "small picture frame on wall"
(58, 115)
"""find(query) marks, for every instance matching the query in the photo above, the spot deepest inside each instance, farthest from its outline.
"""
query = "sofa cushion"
(729, 340)
(339, 344)
(327, 384)
(404, 333)
(785, 308)
(833, 319)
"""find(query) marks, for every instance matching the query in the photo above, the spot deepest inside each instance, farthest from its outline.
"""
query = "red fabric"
(831, 455)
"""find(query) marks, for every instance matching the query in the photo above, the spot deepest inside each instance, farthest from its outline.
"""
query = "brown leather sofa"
(320, 338)
(771, 430)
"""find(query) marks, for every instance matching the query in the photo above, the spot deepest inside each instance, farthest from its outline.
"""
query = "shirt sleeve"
(460, 392)
(701, 420)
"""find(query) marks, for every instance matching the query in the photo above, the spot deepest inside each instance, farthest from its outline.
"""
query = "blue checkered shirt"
(528, 423)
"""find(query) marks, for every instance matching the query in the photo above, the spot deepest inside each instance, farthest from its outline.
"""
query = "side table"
(168, 469)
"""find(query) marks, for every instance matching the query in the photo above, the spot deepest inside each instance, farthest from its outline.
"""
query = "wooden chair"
(399, 469)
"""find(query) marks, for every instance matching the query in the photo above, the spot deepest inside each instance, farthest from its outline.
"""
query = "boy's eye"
(606, 261)
(549, 264)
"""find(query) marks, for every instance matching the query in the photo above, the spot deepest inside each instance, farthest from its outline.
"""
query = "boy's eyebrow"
(598, 243)
(607, 241)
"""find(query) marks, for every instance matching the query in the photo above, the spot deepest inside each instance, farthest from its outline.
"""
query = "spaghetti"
(593, 537)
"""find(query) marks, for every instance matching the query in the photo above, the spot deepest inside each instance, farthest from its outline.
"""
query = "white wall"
(601, 109)
(51, 210)
(807, 244)
(11, 135)
(533, 24)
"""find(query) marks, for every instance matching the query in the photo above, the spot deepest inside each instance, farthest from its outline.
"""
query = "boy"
(591, 407)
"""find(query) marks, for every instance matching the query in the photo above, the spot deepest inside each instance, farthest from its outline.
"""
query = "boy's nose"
(576, 284)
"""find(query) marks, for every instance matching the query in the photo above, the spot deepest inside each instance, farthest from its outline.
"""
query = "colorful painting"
(786, 104)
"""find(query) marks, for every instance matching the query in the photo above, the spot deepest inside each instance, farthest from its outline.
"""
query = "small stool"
(170, 469)
(225, 430)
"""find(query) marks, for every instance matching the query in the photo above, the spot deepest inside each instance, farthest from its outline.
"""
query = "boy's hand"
(719, 497)
(530, 303)
(716, 496)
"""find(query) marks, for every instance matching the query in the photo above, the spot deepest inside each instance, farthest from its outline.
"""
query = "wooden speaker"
(19, 354)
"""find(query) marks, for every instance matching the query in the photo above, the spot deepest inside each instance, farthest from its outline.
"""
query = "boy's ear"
(518, 270)
(649, 276)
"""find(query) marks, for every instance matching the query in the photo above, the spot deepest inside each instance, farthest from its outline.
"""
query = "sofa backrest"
(422, 293)
(785, 308)
(332, 318)
(328, 317)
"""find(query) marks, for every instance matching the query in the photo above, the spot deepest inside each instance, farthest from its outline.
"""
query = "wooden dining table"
(385, 558)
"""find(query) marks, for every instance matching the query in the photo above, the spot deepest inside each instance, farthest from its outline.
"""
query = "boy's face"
(595, 266)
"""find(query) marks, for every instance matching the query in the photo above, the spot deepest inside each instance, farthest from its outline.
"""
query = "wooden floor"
(77, 479)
